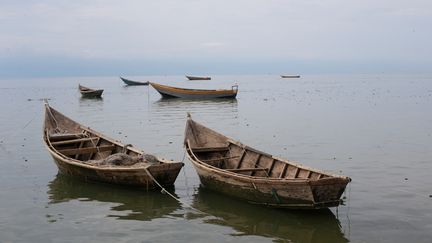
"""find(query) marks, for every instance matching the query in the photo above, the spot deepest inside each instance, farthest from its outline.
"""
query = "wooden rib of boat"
(290, 76)
(197, 78)
(233, 168)
(174, 92)
(131, 82)
(90, 93)
(82, 152)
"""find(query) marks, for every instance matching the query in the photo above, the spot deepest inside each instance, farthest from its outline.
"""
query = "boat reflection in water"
(174, 110)
(169, 106)
(292, 225)
(134, 204)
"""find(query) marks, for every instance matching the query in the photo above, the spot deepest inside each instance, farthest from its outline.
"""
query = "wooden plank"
(73, 141)
(308, 174)
(241, 158)
(272, 165)
(282, 174)
(217, 159)
(64, 136)
(296, 172)
(256, 163)
(247, 169)
(96, 145)
(209, 149)
(86, 150)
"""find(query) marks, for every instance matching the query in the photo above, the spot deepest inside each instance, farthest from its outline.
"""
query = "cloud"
(218, 30)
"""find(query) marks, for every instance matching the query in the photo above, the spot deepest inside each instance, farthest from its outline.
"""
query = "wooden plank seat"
(209, 149)
(86, 150)
(73, 141)
(64, 136)
(218, 159)
(247, 169)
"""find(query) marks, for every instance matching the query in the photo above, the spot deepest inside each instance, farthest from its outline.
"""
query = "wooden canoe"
(290, 76)
(174, 92)
(90, 93)
(197, 78)
(82, 152)
(233, 168)
(131, 82)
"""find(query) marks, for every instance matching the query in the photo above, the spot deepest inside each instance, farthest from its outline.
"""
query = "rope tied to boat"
(164, 191)
(85, 134)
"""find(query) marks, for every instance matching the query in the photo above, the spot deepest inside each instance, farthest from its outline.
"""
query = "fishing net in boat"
(122, 159)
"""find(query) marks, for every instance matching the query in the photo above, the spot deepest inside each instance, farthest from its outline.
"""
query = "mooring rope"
(163, 190)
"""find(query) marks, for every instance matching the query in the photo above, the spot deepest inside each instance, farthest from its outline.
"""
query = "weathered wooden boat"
(82, 152)
(233, 168)
(290, 76)
(197, 78)
(131, 82)
(174, 92)
(90, 93)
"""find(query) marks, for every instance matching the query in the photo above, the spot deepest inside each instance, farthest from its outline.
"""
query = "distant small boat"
(290, 76)
(90, 93)
(174, 92)
(230, 167)
(87, 154)
(131, 82)
(197, 78)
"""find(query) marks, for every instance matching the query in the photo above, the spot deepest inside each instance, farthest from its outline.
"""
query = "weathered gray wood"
(58, 127)
(282, 174)
(60, 137)
(278, 189)
(256, 163)
(72, 141)
(241, 158)
(296, 172)
(217, 159)
(247, 169)
(272, 165)
(209, 149)
(86, 150)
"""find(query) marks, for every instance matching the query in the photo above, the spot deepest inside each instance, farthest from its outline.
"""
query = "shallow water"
(377, 129)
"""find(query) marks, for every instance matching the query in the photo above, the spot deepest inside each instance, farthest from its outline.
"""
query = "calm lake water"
(376, 129)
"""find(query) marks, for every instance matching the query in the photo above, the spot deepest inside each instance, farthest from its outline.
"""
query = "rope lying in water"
(163, 190)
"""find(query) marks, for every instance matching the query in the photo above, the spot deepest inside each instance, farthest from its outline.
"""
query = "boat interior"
(85, 146)
(248, 161)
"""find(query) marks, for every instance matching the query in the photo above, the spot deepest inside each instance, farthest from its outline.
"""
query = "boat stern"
(327, 192)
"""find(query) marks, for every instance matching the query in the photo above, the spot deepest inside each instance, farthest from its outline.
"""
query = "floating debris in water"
(406, 179)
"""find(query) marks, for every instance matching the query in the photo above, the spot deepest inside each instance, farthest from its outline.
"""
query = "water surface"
(377, 129)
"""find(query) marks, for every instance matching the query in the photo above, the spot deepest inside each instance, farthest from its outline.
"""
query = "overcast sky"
(59, 37)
